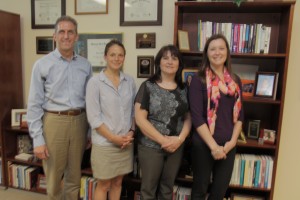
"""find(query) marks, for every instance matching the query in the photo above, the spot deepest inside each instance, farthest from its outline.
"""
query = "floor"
(13, 194)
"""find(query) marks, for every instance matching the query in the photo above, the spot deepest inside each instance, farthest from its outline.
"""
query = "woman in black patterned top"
(162, 115)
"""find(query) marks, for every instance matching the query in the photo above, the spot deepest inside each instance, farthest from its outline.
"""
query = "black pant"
(159, 170)
(206, 170)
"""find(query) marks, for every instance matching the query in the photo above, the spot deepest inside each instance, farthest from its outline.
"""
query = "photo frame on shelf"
(253, 129)
(183, 40)
(44, 45)
(235, 196)
(266, 85)
(145, 66)
(16, 116)
(145, 40)
(92, 46)
(247, 87)
(187, 74)
(23, 120)
(268, 136)
(45, 13)
(141, 13)
(88, 7)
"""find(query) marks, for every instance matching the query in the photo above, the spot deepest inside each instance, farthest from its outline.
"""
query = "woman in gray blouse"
(110, 96)
(162, 115)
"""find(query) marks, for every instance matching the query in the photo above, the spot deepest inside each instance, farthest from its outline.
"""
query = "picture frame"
(41, 183)
(145, 66)
(92, 45)
(266, 85)
(44, 44)
(145, 40)
(187, 74)
(235, 196)
(183, 40)
(141, 13)
(16, 116)
(90, 7)
(247, 87)
(44, 13)
(23, 120)
(268, 136)
(253, 129)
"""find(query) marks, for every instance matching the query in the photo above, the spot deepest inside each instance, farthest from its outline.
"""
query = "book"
(24, 157)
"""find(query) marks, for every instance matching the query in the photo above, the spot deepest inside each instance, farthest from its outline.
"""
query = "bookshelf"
(10, 76)
(276, 14)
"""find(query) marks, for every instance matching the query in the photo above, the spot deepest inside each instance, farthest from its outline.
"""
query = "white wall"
(288, 175)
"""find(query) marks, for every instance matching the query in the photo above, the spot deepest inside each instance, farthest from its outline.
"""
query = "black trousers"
(208, 171)
(159, 170)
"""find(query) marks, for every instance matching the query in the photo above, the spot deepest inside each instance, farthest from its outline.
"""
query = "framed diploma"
(92, 46)
(87, 7)
(140, 13)
(44, 13)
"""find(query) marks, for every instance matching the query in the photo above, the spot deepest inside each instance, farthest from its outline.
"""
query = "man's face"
(65, 36)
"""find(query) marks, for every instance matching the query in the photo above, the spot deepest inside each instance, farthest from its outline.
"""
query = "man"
(56, 112)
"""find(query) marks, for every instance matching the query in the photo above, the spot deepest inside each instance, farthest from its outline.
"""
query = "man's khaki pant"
(65, 138)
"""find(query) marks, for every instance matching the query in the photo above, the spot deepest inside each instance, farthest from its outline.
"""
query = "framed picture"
(145, 66)
(16, 116)
(253, 129)
(183, 40)
(91, 46)
(145, 40)
(268, 136)
(41, 182)
(23, 120)
(140, 13)
(247, 87)
(87, 7)
(266, 84)
(245, 197)
(44, 13)
(187, 75)
(44, 45)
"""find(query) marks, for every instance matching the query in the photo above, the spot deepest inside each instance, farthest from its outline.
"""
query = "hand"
(41, 152)
(129, 137)
(123, 140)
(218, 153)
(172, 144)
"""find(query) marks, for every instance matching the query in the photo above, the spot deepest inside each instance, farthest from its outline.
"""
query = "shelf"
(36, 164)
(17, 129)
(251, 143)
(261, 100)
(31, 190)
(238, 55)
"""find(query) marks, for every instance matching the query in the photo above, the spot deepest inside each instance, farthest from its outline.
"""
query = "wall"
(288, 176)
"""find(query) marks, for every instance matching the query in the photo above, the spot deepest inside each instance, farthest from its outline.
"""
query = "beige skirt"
(110, 161)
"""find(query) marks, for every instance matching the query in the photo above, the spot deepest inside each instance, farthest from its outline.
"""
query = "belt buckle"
(71, 112)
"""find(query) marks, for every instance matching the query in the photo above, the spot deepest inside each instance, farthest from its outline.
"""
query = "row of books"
(22, 176)
(87, 187)
(181, 193)
(252, 171)
(242, 38)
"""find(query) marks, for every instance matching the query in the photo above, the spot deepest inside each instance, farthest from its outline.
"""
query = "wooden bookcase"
(11, 88)
(279, 16)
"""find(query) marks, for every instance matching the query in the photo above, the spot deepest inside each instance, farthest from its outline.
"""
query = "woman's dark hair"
(205, 61)
(111, 43)
(162, 52)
